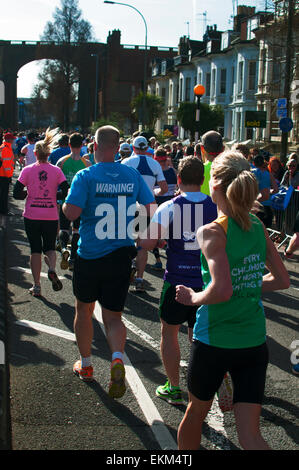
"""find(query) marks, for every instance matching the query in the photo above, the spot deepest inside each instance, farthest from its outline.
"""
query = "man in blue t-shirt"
(104, 196)
(61, 151)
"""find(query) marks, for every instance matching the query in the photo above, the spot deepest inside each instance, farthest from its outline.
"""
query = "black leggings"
(41, 234)
(247, 368)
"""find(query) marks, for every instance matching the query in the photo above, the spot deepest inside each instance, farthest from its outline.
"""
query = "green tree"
(58, 79)
(211, 117)
(154, 108)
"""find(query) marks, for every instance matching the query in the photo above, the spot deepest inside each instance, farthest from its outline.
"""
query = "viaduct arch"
(120, 71)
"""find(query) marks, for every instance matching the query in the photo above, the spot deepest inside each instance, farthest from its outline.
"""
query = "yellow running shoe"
(117, 386)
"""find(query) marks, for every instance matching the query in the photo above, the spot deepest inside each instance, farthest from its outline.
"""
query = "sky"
(167, 21)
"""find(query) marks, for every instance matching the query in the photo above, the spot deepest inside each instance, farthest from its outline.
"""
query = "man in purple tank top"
(177, 221)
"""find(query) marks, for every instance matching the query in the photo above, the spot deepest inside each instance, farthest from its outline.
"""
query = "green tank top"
(239, 322)
(70, 167)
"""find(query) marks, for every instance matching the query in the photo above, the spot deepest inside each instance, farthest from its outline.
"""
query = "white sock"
(85, 361)
(117, 355)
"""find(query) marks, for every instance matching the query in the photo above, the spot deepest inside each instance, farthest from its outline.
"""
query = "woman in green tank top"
(229, 334)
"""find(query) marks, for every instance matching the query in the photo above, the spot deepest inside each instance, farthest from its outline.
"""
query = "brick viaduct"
(121, 69)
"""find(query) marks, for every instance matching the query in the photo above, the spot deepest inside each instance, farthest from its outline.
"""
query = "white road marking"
(47, 329)
(147, 338)
(146, 404)
(19, 242)
(28, 271)
(214, 419)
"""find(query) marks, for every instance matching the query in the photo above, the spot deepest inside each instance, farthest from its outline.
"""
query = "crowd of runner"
(103, 202)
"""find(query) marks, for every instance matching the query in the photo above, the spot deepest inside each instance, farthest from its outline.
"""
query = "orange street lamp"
(199, 91)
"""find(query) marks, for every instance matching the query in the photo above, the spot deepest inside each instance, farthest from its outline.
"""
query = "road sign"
(255, 119)
(286, 124)
(281, 113)
(281, 103)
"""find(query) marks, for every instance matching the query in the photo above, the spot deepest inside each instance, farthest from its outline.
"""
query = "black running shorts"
(105, 279)
(41, 234)
(171, 311)
(247, 368)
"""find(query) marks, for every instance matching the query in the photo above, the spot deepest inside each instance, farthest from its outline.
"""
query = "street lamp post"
(96, 87)
(199, 91)
(145, 54)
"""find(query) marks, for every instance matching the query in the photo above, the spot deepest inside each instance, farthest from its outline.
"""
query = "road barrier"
(284, 220)
(5, 441)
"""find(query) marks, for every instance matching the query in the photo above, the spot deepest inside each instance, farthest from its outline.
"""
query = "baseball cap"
(8, 136)
(125, 147)
(140, 142)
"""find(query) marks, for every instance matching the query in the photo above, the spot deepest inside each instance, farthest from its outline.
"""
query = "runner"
(152, 173)
(170, 221)
(70, 165)
(229, 333)
(27, 152)
(61, 151)
(104, 197)
(171, 180)
(40, 214)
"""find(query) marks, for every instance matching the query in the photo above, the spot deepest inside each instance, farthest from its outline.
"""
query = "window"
(263, 66)
(251, 75)
(213, 86)
(187, 89)
(170, 98)
(276, 71)
(223, 82)
(208, 84)
(233, 80)
(181, 90)
(240, 79)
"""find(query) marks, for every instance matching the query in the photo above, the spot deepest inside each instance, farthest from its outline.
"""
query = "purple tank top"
(183, 252)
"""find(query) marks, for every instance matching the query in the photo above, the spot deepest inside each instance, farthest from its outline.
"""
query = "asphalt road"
(51, 409)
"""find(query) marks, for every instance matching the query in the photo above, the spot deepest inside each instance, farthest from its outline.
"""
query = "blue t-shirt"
(107, 194)
(264, 181)
(58, 153)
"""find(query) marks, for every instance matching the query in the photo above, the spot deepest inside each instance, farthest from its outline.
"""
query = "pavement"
(51, 409)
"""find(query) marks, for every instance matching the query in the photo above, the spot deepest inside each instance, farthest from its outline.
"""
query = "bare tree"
(58, 78)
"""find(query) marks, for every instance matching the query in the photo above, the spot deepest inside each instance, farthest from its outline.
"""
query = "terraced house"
(236, 69)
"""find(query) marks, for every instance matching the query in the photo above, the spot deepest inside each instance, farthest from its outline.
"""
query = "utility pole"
(288, 76)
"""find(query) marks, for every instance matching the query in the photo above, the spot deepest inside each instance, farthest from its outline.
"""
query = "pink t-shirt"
(42, 181)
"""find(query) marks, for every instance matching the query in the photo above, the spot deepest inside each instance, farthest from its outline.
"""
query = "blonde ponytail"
(238, 184)
(44, 147)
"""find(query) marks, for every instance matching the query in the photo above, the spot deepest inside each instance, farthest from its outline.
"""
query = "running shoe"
(56, 283)
(84, 373)
(139, 285)
(117, 386)
(172, 395)
(295, 369)
(65, 254)
(35, 291)
(157, 266)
